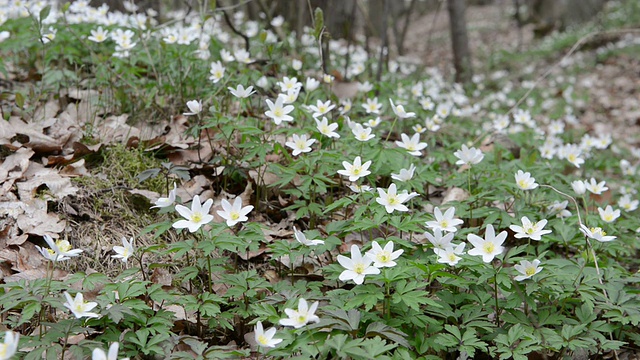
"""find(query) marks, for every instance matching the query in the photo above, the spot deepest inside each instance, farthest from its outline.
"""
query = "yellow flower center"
(452, 257)
(63, 245)
(608, 217)
(571, 157)
(530, 271)
(522, 184)
(444, 223)
(263, 340)
(530, 230)
(384, 257)
(358, 268)
(3, 351)
(393, 200)
(278, 112)
(234, 216)
(356, 170)
(302, 319)
(489, 247)
(196, 217)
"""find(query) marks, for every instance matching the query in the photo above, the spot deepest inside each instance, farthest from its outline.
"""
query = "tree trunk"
(460, 41)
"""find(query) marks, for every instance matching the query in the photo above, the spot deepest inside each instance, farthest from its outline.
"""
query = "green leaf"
(387, 332)
(318, 17)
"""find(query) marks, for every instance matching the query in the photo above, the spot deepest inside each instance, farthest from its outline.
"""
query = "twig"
(227, 19)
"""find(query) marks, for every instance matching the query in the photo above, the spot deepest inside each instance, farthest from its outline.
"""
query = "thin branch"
(227, 19)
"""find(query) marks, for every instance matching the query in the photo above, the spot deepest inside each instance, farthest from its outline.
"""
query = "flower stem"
(495, 293)
(393, 124)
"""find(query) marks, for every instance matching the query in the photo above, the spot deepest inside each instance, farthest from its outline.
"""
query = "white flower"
(391, 200)
(226, 56)
(263, 82)
(4, 35)
(278, 112)
(241, 92)
(359, 188)
(444, 222)
(49, 36)
(383, 257)
(289, 83)
(437, 240)
(296, 64)
(443, 110)
(302, 316)
(242, 56)
(168, 201)
(579, 187)
(372, 106)
(195, 107)
(573, 154)
(311, 84)
(468, 156)
(596, 233)
(559, 209)
(357, 267)
(405, 174)
(217, 71)
(400, 112)
(373, 122)
(533, 231)
(596, 187)
(608, 215)
(195, 217)
(79, 307)
(291, 96)
(300, 144)
(356, 170)
(627, 204)
(277, 21)
(327, 129)
(59, 250)
(328, 79)
(321, 108)
(361, 133)
(265, 338)
(234, 213)
(123, 252)
(450, 254)
(10, 345)
(301, 238)
(99, 35)
(524, 180)
(98, 354)
(365, 87)
(527, 269)
(488, 247)
(413, 145)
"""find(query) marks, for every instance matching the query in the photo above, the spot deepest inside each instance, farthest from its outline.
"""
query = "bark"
(460, 41)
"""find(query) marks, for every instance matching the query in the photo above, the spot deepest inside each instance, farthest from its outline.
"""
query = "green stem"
(393, 124)
(495, 293)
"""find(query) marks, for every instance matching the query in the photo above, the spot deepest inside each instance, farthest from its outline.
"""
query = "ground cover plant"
(212, 187)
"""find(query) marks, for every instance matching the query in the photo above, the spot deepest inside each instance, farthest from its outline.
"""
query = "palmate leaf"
(348, 321)
(387, 332)
(406, 293)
